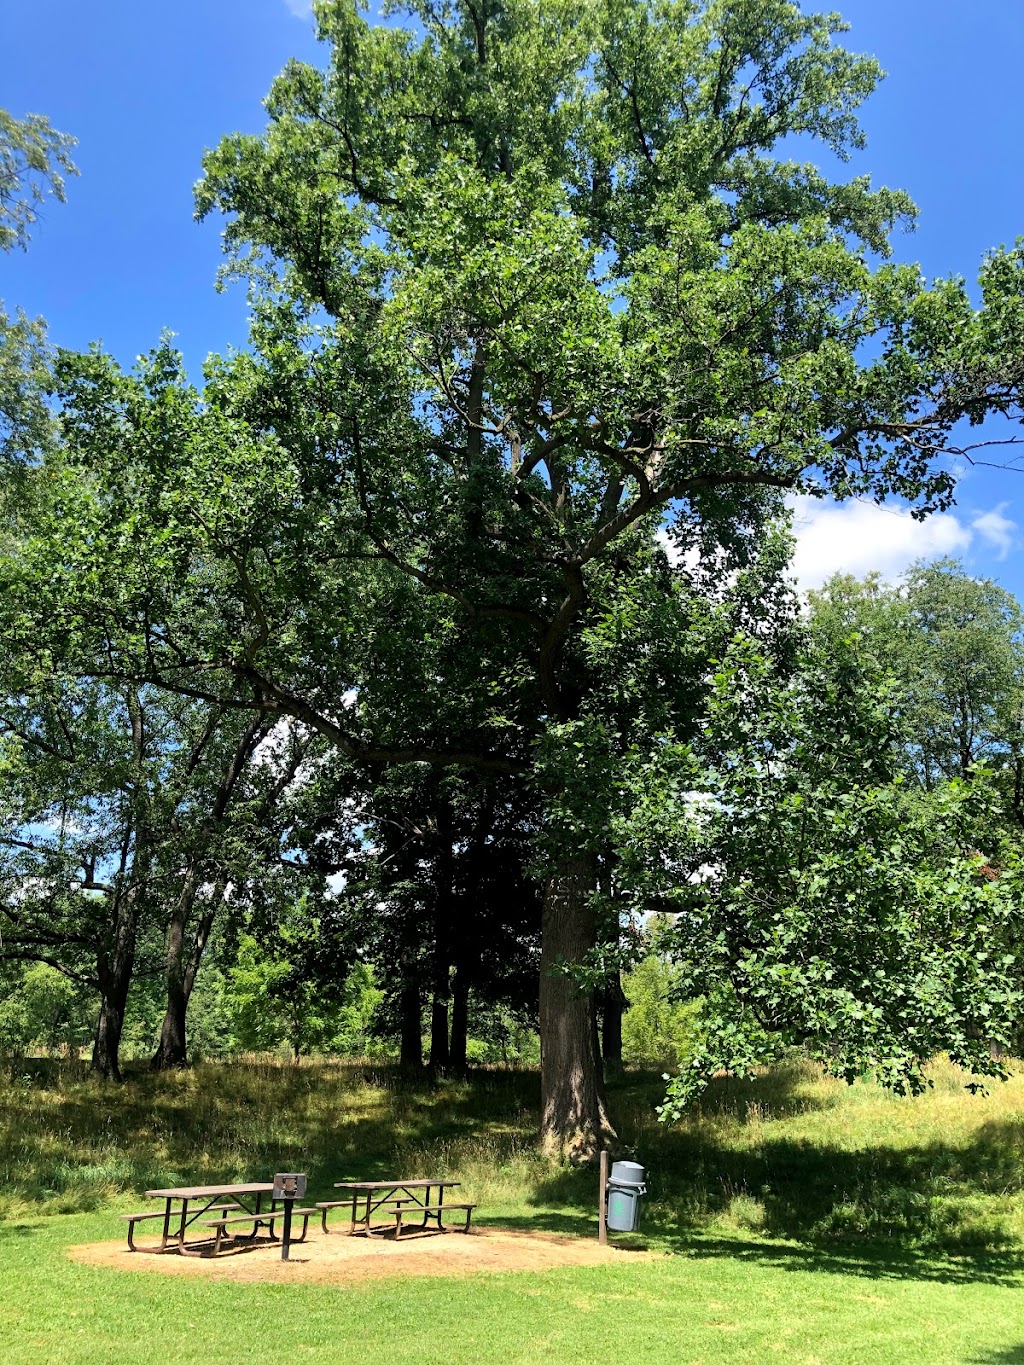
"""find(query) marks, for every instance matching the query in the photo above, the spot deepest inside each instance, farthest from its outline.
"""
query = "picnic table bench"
(398, 1199)
(233, 1204)
(219, 1225)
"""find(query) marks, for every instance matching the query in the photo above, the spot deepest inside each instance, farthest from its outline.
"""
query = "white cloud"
(997, 530)
(860, 537)
(300, 8)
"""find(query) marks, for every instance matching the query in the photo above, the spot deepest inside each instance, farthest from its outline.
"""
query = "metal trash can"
(626, 1189)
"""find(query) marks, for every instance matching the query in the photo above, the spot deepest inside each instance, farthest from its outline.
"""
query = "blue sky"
(146, 87)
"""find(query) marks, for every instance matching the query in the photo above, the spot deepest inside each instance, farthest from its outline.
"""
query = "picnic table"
(228, 1204)
(402, 1200)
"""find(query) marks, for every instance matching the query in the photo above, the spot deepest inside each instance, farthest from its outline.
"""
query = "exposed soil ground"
(338, 1258)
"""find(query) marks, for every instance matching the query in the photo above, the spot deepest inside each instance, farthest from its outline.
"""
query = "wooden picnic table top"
(210, 1191)
(392, 1184)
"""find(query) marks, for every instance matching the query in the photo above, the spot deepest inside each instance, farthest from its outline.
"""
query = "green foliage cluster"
(34, 159)
(659, 1029)
(41, 1009)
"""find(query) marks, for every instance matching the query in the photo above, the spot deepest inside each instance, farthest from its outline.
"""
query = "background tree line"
(401, 921)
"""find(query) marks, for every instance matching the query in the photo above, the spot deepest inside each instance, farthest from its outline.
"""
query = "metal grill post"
(288, 1186)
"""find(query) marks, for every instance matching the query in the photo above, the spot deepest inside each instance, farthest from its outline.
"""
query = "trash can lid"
(627, 1172)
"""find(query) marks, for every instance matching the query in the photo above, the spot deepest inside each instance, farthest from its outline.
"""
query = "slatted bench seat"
(326, 1205)
(413, 1209)
(220, 1225)
(132, 1218)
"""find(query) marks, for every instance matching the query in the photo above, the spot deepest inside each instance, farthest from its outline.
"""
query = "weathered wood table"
(402, 1200)
(185, 1205)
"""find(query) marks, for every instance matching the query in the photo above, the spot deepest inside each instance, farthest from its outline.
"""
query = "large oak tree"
(531, 280)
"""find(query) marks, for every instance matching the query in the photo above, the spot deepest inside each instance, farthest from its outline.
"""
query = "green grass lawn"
(791, 1219)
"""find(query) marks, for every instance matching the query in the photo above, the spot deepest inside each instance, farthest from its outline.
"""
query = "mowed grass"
(791, 1218)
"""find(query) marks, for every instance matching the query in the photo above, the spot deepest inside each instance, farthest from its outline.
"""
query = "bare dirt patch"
(338, 1258)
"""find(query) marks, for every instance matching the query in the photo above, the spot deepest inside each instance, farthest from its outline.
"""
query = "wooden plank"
(394, 1184)
(411, 1210)
(209, 1191)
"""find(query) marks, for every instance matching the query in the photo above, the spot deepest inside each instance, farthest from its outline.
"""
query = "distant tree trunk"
(114, 973)
(457, 1054)
(439, 1052)
(115, 957)
(180, 976)
(444, 908)
(107, 1044)
(411, 1055)
(170, 1050)
(574, 1117)
(613, 1002)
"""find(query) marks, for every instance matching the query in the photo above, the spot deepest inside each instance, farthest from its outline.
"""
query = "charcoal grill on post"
(288, 1186)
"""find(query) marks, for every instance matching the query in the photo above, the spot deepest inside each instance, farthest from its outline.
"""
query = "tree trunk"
(460, 1021)
(612, 1004)
(170, 1051)
(107, 1043)
(115, 979)
(411, 1055)
(574, 1119)
(114, 970)
(181, 977)
(439, 1055)
(115, 958)
(444, 908)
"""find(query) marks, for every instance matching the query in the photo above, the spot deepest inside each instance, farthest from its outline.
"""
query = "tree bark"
(107, 1043)
(115, 975)
(457, 1057)
(181, 974)
(115, 957)
(411, 1054)
(171, 1051)
(439, 1053)
(444, 909)
(574, 1118)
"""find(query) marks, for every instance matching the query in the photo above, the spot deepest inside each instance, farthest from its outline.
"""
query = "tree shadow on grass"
(70, 1143)
(943, 1210)
(1008, 1355)
(10, 1230)
(933, 1200)
(869, 1261)
(569, 1224)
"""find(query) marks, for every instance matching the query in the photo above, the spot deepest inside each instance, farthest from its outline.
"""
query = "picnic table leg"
(271, 1234)
(167, 1225)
